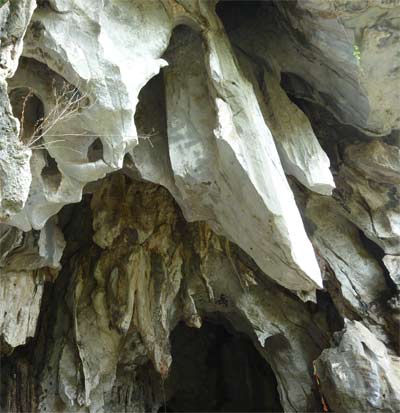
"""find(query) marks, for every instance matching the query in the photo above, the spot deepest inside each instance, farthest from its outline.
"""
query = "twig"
(64, 147)
(26, 98)
(53, 118)
(68, 101)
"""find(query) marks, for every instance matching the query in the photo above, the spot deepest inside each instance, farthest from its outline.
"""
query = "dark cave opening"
(95, 151)
(50, 174)
(216, 369)
(28, 108)
(234, 12)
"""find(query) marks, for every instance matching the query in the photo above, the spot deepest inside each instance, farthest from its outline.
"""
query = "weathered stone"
(153, 246)
(15, 177)
(368, 189)
(217, 136)
(150, 260)
(21, 294)
(358, 374)
(359, 274)
(298, 147)
(108, 118)
(331, 54)
(31, 251)
(376, 160)
(392, 263)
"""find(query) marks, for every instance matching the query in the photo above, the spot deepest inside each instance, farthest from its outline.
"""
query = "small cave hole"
(28, 108)
(95, 151)
(152, 130)
(50, 173)
(216, 369)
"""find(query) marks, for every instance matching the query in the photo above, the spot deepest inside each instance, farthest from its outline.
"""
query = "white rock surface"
(299, 150)
(26, 261)
(298, 147)
(358, 374)
(134, 267)
(237, 183)
(81, 45)
(21, 295)
(15, 177)
(230, 174)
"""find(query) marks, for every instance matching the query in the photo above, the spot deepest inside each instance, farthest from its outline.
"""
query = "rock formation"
(200, 206)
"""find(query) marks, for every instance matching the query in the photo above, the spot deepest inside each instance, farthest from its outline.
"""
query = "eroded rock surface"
(192, 191)
(339, 54)
(358, 374)
(14, 157)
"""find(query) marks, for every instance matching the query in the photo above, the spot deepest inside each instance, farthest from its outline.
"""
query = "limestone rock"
(108, 117)
(377, 160)
(27, 261)
(15, 17)
(358, 374)
(15, 177)
(14, 171)
(331, 55)
(126, 297)
(31, 251)
(360, 277)
(298, 147)
(59, 177)
(218, 136)
(172, 237)
(369, 187)
(392, 263)
(21, 294)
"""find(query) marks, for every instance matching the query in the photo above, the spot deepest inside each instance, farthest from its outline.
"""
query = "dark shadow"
(95, 151)
(216, 369)
(28, 108)
(235, 13)
(50, 173)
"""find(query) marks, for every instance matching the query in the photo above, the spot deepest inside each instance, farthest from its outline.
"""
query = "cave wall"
(221, 173)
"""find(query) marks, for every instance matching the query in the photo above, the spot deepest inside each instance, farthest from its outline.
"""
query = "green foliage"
(357, 53)
(3, 2)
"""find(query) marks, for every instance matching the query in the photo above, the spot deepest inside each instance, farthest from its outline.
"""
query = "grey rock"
(359, 274)
(217, 136)
(174, 159)
(31, 251)
(21, 294)
(123, 314)
(376, 160)
(392, 263)
(298, 147)
(358, 374)
(333, 56)
(368, 188)
(15, 177)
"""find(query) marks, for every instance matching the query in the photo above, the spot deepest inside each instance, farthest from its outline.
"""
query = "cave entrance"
(216, 369)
